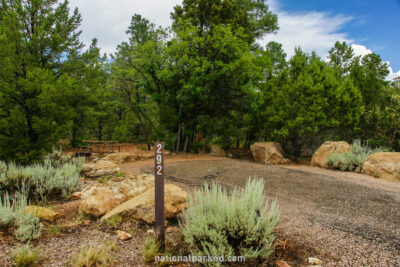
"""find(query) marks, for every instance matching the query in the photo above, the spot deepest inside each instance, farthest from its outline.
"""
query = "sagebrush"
(242, 223)
(352, 160)
(57, 175)
(12, 213)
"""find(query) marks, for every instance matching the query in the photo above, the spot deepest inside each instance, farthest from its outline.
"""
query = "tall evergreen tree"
(35, 38)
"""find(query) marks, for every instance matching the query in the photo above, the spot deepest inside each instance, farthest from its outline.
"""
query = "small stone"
(123, 235)
(314, 261)
(76, 195)
(280, 263)
(170, 229)
(87, 222)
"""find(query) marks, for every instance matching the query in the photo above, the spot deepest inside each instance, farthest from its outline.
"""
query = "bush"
(352, 160)
(29, 227)
(25, 256)
(12, 213)
(58, 174)
(241, 224)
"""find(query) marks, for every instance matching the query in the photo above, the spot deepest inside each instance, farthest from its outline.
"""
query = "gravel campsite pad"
(344, 219)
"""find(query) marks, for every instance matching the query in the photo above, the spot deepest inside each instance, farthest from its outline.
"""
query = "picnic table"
(100, 146)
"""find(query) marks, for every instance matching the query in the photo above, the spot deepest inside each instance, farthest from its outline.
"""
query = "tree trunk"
(178, 140)
(100, 132)
(186, 144)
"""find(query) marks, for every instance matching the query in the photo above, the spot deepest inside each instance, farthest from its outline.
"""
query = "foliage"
(53, 229)
(150, 249)
(25, 256)
(352, 160)
(308, 99)
(205, 76)
(12, 211)
(93, 255)
(241, 224)
(58, 174)
(251, 18)
(35, 36)
(29, 227)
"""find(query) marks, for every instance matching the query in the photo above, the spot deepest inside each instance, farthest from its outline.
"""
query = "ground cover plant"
(352, 160)
(57, 175)
(25, 256)
(242, 223)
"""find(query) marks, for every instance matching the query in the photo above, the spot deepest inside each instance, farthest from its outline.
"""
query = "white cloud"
(392, 74)
(312, 31)
(360, 50)
(108, 20)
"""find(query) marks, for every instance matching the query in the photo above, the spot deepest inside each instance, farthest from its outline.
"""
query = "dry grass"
(95, 255)
(25, 256)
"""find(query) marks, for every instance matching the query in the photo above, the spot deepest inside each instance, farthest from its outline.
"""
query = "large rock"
(100, 168)
(269, 153)
(384, 165)
(141, 208)
(100, 199)
(217, 151)
(322, 154)
(42, 213)
(124, 157)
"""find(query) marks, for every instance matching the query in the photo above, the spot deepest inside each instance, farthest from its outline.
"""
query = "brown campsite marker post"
(159, 194)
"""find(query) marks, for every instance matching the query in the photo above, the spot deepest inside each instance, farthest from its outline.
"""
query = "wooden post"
(159, 194)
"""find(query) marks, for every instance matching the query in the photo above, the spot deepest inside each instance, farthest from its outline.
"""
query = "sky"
(314, 25)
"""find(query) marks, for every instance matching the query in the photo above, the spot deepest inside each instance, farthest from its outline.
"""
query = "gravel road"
(348, 219)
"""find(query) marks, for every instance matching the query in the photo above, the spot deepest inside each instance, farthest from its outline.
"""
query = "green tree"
(341, 58)
(307, 100)
(35, 37)
(251, 19)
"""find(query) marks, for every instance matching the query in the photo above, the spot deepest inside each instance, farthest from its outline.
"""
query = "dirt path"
(345, 219)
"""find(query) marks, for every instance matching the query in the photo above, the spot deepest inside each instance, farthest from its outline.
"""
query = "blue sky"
(372, 23)
(314, 25)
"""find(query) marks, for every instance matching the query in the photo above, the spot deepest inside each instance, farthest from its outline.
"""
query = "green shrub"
(240, 224)
(29, 227)
(352, 160)
(58, 174)
(12, 213)
(25, 256)
(7, 215)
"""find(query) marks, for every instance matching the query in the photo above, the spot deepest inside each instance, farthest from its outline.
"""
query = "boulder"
(42, 213)
(141, 208)
(100, 199)
(100, 168)
(385, 165)
(269, 153)
(124, 157)
(322, 154)
(97, 201)
(217, 151)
